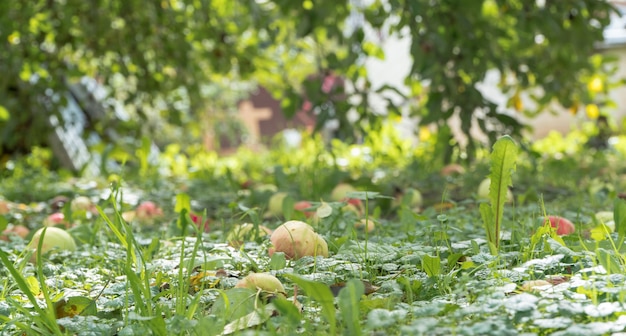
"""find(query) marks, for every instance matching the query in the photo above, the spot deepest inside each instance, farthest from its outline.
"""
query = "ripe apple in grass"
(301, 206)
(201, 223)
(262, 281)
(563, 226)
(452, 169)
(14, 230)
(297, 239)
(4, 207)
(55, 219)
(275, 204)
(81, 203)
(483, 191)
(55, 238)
(606, 218)
(341, 191)
(411, 198)
(147, 211)
(245, 232)
(365, 225)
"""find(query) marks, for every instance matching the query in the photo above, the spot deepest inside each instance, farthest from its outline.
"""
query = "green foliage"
(322, 294)
(349, 304)
(503, 160)
(175, 62)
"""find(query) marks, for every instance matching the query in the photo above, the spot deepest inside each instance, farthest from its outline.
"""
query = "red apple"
(197, 219)
(147, 211)
(365, 225)
(4, 207)
(297, 239)
(452, 169)
(340, 191)
(56, 218)
(563, 226)
(302, 206)
(14, 230)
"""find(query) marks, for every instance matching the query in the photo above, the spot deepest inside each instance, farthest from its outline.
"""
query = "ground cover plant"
(377, 238)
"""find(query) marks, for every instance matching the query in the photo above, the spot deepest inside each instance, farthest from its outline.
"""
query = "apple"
(4, 207)
(297, 239)
(365, 224)
(275, 204)
(55, 238)
(302, 206)
(129, 216)
(563, 226)
(339, 193)
(452, 169)
(147, 211)
(198, 220)
(14, 230)
(245, 232)
(81, 203)
(483, 191)
(606, 218)
(56, 218)
(262, 281)
(411, 197)
(535, 285)
(262, 188)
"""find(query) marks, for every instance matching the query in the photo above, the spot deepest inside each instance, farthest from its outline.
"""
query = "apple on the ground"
(54, 238)
(297, 239)
(262, 281)
(563, 226)
(365, 224)
(245, 232)
(340, 192)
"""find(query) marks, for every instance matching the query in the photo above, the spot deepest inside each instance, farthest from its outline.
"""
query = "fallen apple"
(147, 211)
(483, 191)
(129, 216)
(354, 207)
(365, 224)
(55, 238)
(245, 232)
(340, 192)
(275, 205)
(202, 224)
(297, 239)
(56, 218)
(411, 198)
(452, 169)
(14, 230)
(563, 226)
(81, 203)
(4, 207)
(535, 285)
(302, 206)
(606, 218)
(262, 281)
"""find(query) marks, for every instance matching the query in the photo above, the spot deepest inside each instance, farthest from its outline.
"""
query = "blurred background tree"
(161, 58)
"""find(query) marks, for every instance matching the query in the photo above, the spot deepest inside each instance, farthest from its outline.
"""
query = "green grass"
(421, 271)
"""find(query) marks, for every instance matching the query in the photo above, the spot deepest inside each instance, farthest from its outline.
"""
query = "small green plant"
(503, 159)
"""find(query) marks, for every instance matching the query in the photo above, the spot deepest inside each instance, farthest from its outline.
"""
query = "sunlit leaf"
(75, 305)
